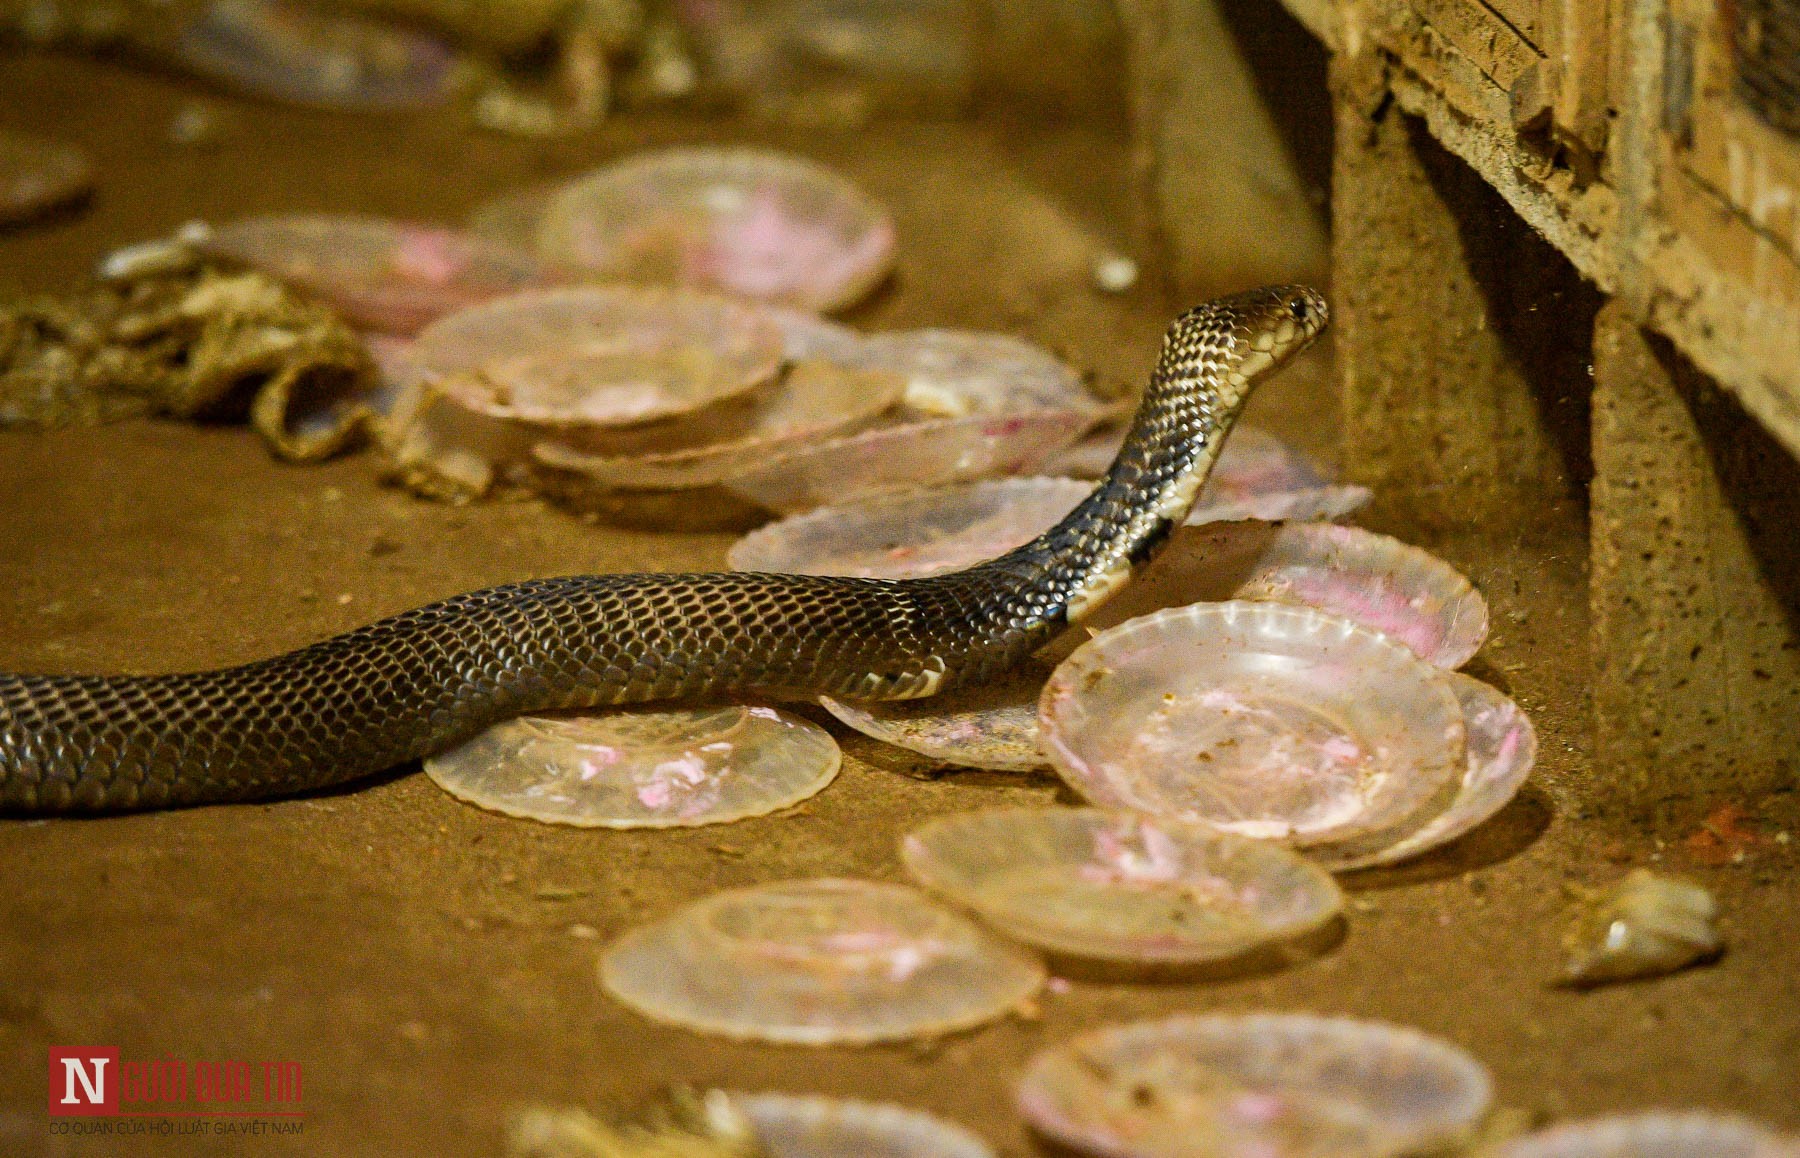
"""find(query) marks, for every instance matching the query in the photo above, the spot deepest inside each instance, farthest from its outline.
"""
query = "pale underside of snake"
(419, 682)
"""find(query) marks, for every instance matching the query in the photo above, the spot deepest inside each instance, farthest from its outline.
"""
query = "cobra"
(419, 682)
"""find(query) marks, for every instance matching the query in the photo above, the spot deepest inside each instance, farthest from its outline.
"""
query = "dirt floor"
(432, 966)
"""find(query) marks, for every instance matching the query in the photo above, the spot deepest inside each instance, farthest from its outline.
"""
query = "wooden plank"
(1477, 32)
(1525, 16)
(1741, 327)
(1753, 168)
(1577, 44)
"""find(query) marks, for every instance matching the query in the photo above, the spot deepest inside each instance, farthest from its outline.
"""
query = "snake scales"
(421, 681)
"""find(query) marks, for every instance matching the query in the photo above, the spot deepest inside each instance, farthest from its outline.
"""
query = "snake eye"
(1299, 309)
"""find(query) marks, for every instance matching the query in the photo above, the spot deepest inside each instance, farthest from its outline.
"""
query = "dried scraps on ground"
(190, 342)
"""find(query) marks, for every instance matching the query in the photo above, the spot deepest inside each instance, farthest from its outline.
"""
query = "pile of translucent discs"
(653, 328)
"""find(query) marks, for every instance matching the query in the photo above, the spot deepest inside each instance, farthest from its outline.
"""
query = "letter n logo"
(84, 1081)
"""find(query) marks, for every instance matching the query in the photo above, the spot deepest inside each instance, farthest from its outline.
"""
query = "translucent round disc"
(981, 405)
(934, 452)
(1270, 1085)
(796, 1126)
(910, 534)
(1269, 721)
(1502, 746)
(601, 355)
(1654, 1135)
(641, 769)
(578, 386)
(37, 175)
(749, 222)
(394, 360)
(1380, 582)
(818, 962)
(814, 399)
(807, 335)
(392, 276)
(1326, 502)
(990, 725)
(1093, 455)
(1384, 584)
(295, 52)
(1118, 886)
(1258, 476)
(1256, 462)
(513, 217)
(924, 531)
(959, 373)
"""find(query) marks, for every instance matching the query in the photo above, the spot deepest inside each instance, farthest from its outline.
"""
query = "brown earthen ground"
(425, 961)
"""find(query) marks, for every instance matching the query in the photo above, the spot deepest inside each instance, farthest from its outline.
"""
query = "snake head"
(1294, 315)
(1278, 320)
(1241, 337)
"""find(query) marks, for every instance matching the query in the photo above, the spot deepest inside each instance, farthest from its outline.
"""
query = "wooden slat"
(1478, 33)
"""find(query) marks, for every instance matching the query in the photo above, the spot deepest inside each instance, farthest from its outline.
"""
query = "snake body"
(421, 681)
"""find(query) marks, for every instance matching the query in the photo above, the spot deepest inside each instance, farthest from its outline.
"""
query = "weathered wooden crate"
(1726, 276)
(1566, 269)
